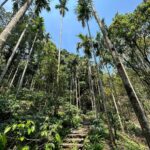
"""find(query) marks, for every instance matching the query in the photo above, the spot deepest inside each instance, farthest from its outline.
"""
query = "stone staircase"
(75, 139)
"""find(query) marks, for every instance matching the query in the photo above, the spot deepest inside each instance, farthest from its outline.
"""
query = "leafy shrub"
(70, 116)
(3, 141)
(96, 136)
(76, 120)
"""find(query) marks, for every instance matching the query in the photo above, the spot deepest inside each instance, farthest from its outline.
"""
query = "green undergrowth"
(98, 138)
(129, 143)
(31, 123)
(97, 135)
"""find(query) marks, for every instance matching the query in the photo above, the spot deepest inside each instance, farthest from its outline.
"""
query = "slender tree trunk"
(102, 93)
(32, 83)
(71, 90)
(92, 90)
(136, 104)
(117, 112)
(3, 3)
(12, 55)
(112, 139)
(12, 81)
(79, 97)
(60, 44)
(77, 100)
(26, 65)
(114, 100)
(10, 74)
(92, 86)
(113, 85)
(95, 61)
(7, 31)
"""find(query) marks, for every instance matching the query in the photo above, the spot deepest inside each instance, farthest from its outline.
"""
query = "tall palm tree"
(7, 31)
(62, 9)
(13, 54)
(136, 104)
(84, 14)
(16, 18)
(85, 44)
(105, 59)
(14, 76)
(38, 27)
(113, 94)
(26, 64)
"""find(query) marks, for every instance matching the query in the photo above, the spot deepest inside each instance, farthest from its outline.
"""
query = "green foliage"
(133, 129)
(130, 144)
(40, 115)
(96, 136)
(20, 130)
(129, 33)
(3, 141)
(71, 116)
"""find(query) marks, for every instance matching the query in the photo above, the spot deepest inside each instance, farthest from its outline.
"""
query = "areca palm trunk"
(12, 81)
(26, 65)
(12, 55)
(117, 111)
(95, 61)
(60, 44)
(136, 104)
(114, 100)
(92, 89)
(71, 90)
(10, 74)
(7, 31)
(112, 139)
(3, 3)
(79, 96)
(77, 99)
(32, 83)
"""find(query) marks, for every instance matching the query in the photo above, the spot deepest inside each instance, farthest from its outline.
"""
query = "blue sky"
(71, 27)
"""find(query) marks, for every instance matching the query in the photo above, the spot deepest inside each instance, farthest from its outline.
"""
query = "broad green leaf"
(29, 131)
(14, 127)
(25, 148)
(58, 138)
(3, 141)
(33, 128)
(21, 138)
(7, 129)
(21, 125)
(44, 133)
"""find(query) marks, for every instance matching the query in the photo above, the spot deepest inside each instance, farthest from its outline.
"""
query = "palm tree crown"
(84, 11)
(85, 44)
(62, 7)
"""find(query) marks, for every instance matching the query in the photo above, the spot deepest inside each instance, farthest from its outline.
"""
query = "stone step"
(79, 135)
(71, 145)
(74, 140)
(80, 131)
